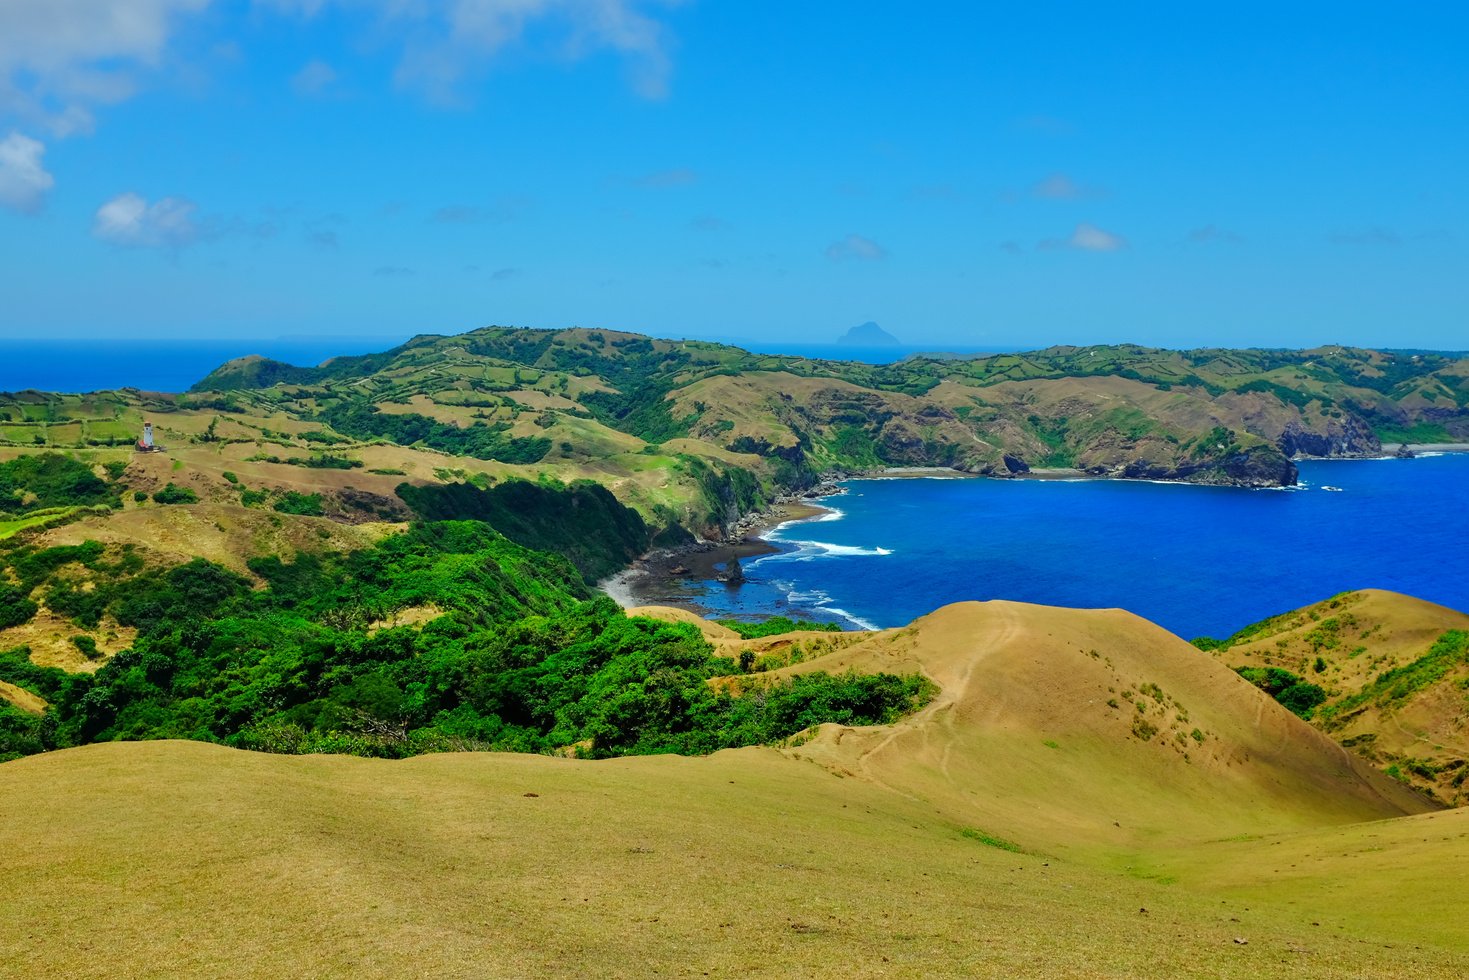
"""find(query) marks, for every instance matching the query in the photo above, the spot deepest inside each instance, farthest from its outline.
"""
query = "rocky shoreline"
(666, 576)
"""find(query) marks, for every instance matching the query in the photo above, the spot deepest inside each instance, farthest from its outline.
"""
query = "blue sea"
(1200, 561)
(154, 365)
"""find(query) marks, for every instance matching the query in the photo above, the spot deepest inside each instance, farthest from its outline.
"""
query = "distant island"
(868, 334)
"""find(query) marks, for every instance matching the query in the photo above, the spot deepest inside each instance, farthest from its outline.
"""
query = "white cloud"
(1090, 238)
(314, 78)
(129, 220)
(1086, 238)
(1060, 187)
(855, 247)
(450, 40)
(23, 179)
(61, 58)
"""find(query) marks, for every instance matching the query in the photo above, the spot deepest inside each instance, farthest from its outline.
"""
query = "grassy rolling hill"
(1017, 826)
(694, 434)
(1392, 672)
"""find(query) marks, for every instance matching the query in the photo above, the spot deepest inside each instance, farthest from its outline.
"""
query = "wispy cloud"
(678, 177)
(24, 180)
(708, 222)
(314, 78)
(451, 41)
(1060, 187)
(130, 221)
(501, 275)
(392, 272)
(61, 59)
(1375, 235)
(503, 210)
(1013, 247)
(854, 246)
(1086, 238)
(1213, 233)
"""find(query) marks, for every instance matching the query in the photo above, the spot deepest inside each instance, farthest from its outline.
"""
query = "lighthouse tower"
(145, 444)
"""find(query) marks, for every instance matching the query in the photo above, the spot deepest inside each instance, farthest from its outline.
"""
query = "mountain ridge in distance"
(868, 334)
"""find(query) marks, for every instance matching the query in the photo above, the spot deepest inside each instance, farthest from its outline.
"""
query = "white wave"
(807, 550)
(777, 533)
(857, 621)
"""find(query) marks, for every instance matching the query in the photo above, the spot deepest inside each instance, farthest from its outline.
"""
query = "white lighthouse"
(145, 444)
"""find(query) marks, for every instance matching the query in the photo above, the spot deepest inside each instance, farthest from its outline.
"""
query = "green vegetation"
(1418, 433)
(990, 840)
(479, 440)
(582, 521)
(175, 494)
(517, 656)
(16, 606)
(772, 625)
(1296, 695)
(294, 502)
(321, 461)
(49, 480)
(1398, 684)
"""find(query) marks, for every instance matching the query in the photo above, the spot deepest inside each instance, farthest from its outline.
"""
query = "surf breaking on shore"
(683, 577)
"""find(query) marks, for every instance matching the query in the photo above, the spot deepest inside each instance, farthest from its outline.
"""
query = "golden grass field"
(1343, 644)
(1262, 850)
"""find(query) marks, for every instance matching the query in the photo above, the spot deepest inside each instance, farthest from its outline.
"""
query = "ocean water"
(175, 365)
(1197, 560)
(153, 365)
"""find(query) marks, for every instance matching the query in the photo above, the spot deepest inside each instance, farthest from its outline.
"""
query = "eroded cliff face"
(1345, 436)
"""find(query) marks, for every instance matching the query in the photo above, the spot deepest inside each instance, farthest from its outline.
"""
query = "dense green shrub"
(305, 504)
(175, 494)
(520, 657)
(1293, 693)
(44, 480)
(479, 440)
(582, 521)
(16, 606)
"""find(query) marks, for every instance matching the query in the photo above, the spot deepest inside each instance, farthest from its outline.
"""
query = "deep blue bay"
(1196, 560)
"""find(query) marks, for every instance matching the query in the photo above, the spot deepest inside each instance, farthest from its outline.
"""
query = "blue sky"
(963, 174)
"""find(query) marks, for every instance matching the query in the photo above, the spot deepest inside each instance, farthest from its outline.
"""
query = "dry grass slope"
(1344, 644)
(857, 852)
(184, 859)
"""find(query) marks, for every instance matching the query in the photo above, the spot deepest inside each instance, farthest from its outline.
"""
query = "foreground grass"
(191, 859)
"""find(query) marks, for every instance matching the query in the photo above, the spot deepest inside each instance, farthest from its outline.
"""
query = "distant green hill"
(1210, 416)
